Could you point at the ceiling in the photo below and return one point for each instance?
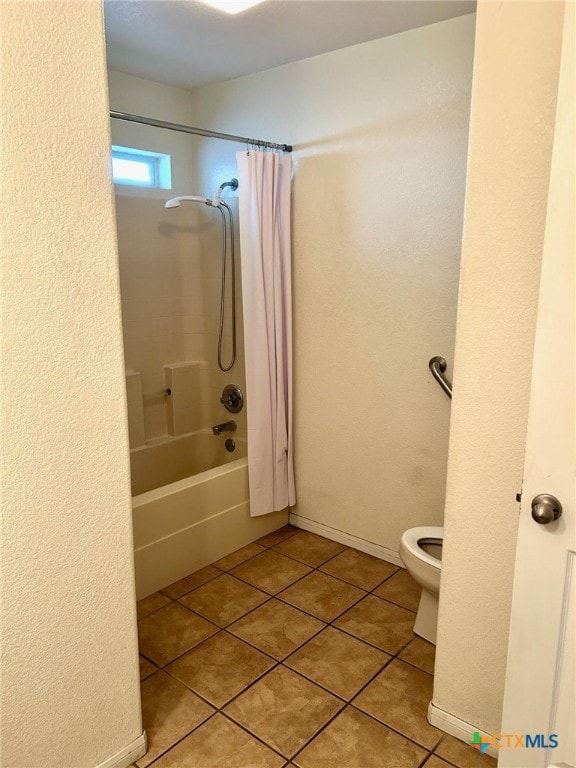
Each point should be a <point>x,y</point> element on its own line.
<point>187,44</point>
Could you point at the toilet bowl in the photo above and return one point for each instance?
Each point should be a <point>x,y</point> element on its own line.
<point>421,553</point>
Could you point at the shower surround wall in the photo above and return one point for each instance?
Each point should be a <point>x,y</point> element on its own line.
<point>170,263</point>
<point>381,133</point>
<point>190,496</point>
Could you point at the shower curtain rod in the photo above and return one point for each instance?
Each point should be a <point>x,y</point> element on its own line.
<point>197,131</point>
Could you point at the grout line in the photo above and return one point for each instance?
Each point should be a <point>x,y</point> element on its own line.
<point>391,728</point>
<point>216,707</point>
<point>304,562</point>
<point>449,762</point>
<point>242,562</point>
<point>148,659</point>
<point>282,663</point>
<point>197,611</point>
<point>332,693</point>
<point>393,603</point>
<point>274,594</point>
<point>296,648</point>
<point>353,584</point>
<point>254,736</point>
<point>279,661</point>
<point>148,765</point>
<point>318,732</point>
<point>193,588</point>
<point>156,609</point>
<point>277,597</point>
<point>379,722</point>
<point>327,621</point>
<point>344,701</point>
<point>289,536</point>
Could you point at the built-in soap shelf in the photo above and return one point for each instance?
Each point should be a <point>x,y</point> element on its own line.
<point>186,397</point>
<point>188,403</point>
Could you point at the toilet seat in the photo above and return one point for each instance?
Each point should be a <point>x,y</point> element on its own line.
<point>412,536</point>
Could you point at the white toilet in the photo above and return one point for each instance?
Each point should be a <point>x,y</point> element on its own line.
<point>421,553</point>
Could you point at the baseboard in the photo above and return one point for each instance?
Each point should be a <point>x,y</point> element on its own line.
<point>456,727</point>
<point>128,755</point>
<point>377,550</point>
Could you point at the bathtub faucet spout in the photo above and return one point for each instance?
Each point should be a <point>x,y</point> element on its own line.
<point>227,426</point>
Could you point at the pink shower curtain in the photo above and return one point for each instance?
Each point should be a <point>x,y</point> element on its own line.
<point>264,197</point>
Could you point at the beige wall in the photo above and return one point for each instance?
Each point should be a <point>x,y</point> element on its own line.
<point>170,266</point>
<point>70,689</point>
<point>381,132</point>
<point>512,122</point>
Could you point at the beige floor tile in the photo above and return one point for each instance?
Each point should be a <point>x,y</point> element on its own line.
<point>338,662</point>
<point>402,590</point>
<point>223,600</point>
<point>421,654</point>
<point>271,539</point>
<point>169,712</point>
<point>353,740</point>
<point>220,744</point>
<point>399,697</point>
<point>360,569</point>
<point>146,668</point>
<point>190,582</point>
<point>435,762</point>
<point>239,556</point>
<point>276,628</point>
<point>309,548</point>
<point>220,668</point>
<point>463,755</point>
<point>284,710</point>
<point>322,595</point>
<point>271,571</point>
<point>170,632</point>
<point>383,624</point>
<point>150,604</point>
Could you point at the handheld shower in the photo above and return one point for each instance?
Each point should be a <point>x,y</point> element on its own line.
<point>175,202</point>
<point>233,184</point>
<point>227,246</point>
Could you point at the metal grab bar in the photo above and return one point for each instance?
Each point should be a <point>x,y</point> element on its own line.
<point>438,365</point>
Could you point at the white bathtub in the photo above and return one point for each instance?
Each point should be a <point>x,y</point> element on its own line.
<point>197,511</point>
<point>166,461</point>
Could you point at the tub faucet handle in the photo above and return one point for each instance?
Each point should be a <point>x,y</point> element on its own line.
<point>227,426</point>
<point>232,398</point>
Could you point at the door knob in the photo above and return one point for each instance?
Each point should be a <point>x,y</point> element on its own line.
<point>545,508</point>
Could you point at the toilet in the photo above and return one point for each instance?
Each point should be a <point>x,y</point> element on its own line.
<point>421,553</point>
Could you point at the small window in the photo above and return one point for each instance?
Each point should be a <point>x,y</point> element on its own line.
<point>141,168</point>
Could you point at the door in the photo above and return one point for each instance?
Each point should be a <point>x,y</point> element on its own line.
<point>540,680</point>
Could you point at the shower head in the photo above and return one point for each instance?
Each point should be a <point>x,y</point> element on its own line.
<point>233,183</point>
<point>175,202</point>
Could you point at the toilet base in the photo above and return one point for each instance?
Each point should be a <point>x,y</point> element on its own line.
<point>427,617</point>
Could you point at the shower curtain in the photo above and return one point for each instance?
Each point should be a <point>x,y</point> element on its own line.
<point>264,198</point>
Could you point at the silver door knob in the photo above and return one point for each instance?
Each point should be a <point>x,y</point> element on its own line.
<point>545,508</point>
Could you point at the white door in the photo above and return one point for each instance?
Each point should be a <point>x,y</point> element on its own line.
<point>540,680</point>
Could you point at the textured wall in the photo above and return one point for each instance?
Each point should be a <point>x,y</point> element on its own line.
<point>513,103</point>
<point>70,690</point>
<point>381,133</point>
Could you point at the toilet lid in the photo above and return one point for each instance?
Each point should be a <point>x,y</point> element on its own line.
<point>412,536</point>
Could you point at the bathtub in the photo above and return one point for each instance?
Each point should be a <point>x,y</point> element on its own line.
<point>190,507</point>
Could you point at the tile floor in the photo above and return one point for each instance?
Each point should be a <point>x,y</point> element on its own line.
<point>294,651</point>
